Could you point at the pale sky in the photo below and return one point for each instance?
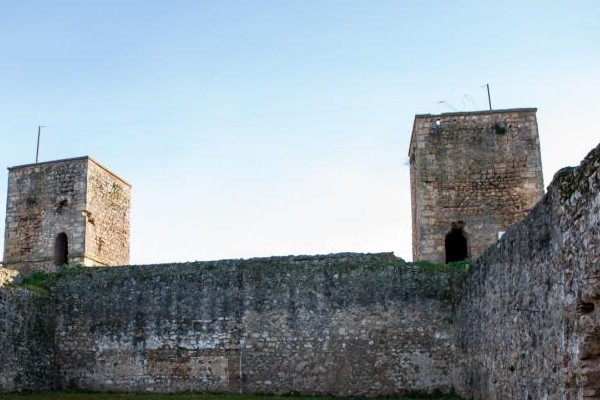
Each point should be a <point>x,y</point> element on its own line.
<point>273,127</point>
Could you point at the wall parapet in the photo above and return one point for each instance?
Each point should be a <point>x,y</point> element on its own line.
<point>530,316</point>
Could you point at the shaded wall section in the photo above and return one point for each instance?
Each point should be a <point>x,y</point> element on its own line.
<point>530,318</point>
<point>346,324</point>
<point>26,340</point>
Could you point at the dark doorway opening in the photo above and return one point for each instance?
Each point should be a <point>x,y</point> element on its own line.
<point>456,243</point>
<point>61,249</point>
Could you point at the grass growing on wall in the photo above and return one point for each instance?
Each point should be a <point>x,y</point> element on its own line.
<point>37,281</point>
<point>431,279</point>
<point>41,281</point>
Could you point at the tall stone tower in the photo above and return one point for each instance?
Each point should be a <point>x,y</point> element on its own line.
<point>472,175</point>
<point>64,212</point>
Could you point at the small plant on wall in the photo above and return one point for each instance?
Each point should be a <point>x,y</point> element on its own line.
<point>500,128</point>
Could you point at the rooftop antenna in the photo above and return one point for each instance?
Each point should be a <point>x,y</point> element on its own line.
<point>487,85</point>
<point>37,149</point>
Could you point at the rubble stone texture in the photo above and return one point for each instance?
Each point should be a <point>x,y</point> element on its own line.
<point>523,322</point>
<point>26,341</point>
<point>78,198</point>
<point>347,324</point>
<point>529,320</point>
<point>481,168</point>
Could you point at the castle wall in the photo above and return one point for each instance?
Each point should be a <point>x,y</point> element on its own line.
<point>26,340</point>
<point>344,324</point>
<point>522,322</point>
<point>483,168</point>
<point>530,317</point>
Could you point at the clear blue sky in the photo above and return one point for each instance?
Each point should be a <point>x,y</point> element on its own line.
<point>274,127</point>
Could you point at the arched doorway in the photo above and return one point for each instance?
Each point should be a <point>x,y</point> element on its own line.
<point>456,243</point>
<point>61,249</point>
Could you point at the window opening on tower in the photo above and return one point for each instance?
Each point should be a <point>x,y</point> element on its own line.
<point>61,249</point>
<point>456,243</point>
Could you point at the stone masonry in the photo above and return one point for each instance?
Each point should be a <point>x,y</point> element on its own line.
<point>523,322</point>
<point>529,316</point>
<point>26,340</point>
<point>475,171</point>
<point>345,324</point>
<point>67,211</point>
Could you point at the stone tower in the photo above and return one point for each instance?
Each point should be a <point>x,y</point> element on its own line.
<point>64,212</point>
<point>472,175</point>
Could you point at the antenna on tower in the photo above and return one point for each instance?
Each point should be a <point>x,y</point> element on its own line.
<point>37,149</point>
<point>487,85</point>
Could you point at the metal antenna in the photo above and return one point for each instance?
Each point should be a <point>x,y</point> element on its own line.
<point>487,85</point>
<point>37,150</point>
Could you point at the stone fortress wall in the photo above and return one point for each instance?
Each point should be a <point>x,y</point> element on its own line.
<point>26,340</point>
<point>522,322</point>
<point>347,324</point>
<point>529,319</point>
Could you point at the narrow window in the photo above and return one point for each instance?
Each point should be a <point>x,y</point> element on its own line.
<point>456,243</point>
<point>61,249</point>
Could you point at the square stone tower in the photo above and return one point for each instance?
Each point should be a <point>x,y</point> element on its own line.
<point>65,212</point>
<point>472,175</point>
